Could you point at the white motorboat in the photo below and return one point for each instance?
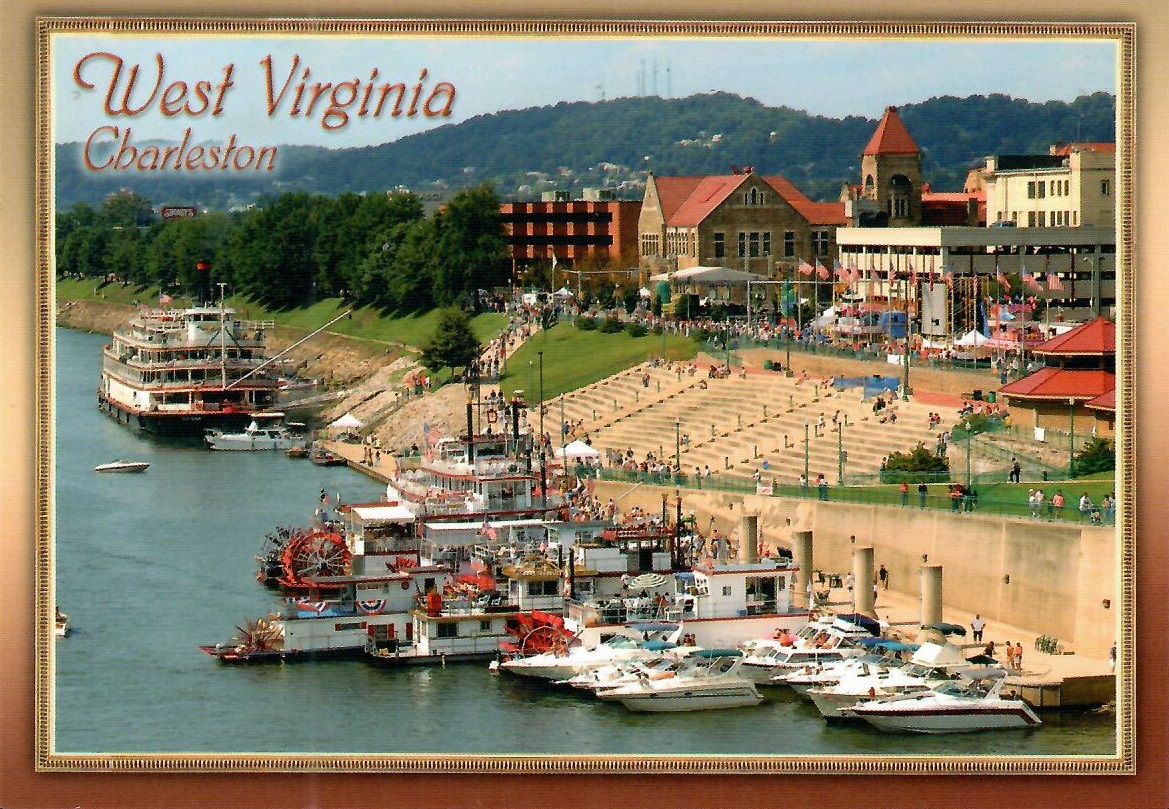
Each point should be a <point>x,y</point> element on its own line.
<point>60,624</point>
<point>264,432</point>
<point>122,466</point>
<point>569,660</point>
<point>971,703</point>
<point>822,641</point>
<point>823,675</point>
<point>613,675</point>
<point>931,665</point>
<point>710,680</point>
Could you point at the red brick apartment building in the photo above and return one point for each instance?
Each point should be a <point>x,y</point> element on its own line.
<point>570,230</point>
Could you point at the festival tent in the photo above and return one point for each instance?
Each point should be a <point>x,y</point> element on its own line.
<point>347,422</point>
<point>576,450</point>
<point>972,338</point>
<point>707,275</point>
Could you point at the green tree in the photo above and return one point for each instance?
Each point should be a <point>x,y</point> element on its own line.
<point>471,248</point>
<point>1098,455</point>
<point>454,344</point>
<point>900,466</point>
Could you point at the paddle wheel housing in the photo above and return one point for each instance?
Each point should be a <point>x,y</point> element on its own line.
<point>312,555</point>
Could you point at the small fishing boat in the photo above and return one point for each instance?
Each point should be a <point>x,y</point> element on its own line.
<point>122,466</point>
<point>60,624</point>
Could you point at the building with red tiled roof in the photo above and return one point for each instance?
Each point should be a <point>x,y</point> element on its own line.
<point>1076,385</point>
<point>743,220</point>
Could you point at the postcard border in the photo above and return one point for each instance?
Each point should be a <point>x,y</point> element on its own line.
<point>46,760</point>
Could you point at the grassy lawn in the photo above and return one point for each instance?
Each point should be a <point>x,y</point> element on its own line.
<point>575,358</point>
<point>366,324</point>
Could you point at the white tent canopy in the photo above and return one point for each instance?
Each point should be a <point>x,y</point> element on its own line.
<point>708,275</point>
<point>972,338</point>
<point>577,449</point>
<point>347,422</point>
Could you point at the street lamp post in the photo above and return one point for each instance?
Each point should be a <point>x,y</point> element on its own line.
<point>969,434</point>
<point>543,459</point>
<point>905,353</point>
<point>840,452</point>
<point>1071,438</point>
<point>678,444</point>
<point>807,445</point>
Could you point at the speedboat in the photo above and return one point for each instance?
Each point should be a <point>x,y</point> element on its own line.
<point>971,703</point>
<point>823,675</point>
<point>931,665</point>
<point>711,679</point>
<point>613,675</point>
<point>819,642</point>
<point>122,466</point>
<point>60,624</point>
<point>567,660</point>
<point>264,432</point>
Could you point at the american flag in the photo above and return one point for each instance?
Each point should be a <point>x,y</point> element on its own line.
<point>163,299</point>
<point>1002,279</point>
<point>841,273</point>
<point>821,271</point>
<point>1053,281</point>
<point>487,530</point>
<point>950,279</point>
<point>804,267</point>
<point>1030,282</point>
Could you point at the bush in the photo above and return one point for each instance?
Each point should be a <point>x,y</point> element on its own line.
<point>585,323</point>
<point>636,330</point>
<point>611,325</point>
<point>1098,455</point>
<point>902,466</point>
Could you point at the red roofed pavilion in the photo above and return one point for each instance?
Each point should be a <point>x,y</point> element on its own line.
<point>1078,380</point>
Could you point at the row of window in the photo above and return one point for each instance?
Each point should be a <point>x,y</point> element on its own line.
<point>756,243</point>
<point>1042,219</point>
<point>1039,189</point>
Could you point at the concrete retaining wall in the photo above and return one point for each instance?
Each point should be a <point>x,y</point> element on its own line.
<point>1048,578</point>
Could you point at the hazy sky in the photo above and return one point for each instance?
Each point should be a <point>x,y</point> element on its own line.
<point>832,78</point>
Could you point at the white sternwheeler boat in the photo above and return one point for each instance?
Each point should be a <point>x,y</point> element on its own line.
<point>709,680</point>
<point>120,465</point>
<point>266,431</point>
<point>179,371</point>
<point>973,702</point>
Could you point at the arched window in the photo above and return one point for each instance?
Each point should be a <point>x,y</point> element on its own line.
<point>899,190</point>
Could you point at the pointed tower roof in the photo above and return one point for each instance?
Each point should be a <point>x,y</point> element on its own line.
<point>891,136</point>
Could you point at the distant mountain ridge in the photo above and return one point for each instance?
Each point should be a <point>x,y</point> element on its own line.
<point>613,144</point>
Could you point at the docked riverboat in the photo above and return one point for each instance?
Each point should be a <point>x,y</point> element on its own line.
<point>723,602</point>
<point>180,371</point>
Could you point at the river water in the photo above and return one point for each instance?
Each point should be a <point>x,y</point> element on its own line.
<point>150,566</point>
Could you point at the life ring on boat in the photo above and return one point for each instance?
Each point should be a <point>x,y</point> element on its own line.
<point>406,585</point>
<point>492,415</point>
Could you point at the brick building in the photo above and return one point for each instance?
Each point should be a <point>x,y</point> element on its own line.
<point>570,230</point>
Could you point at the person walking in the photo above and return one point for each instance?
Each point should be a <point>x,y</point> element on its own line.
<point>976,627</point>
<point>904,489</point>
<point>1016,470</point>
<point>883,577</point>
<point>1010,650</point>
<point>1018,656</point>
<point>822,485</point>
<point>922,491</point>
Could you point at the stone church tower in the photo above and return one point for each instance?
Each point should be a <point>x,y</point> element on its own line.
<point>891,172</point>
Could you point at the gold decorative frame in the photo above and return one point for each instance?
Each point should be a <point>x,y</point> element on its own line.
<point>1124,763</point>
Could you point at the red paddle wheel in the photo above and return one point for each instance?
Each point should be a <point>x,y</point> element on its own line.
<point>312,555</point>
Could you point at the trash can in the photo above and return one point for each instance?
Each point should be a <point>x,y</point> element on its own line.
<point>976,395</point>
<point>990,397</point>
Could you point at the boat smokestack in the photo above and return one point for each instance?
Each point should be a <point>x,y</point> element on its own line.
<point>203,280</point>
<point>749,539</point>
<point>470,431</point>
<point>802,557</point>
